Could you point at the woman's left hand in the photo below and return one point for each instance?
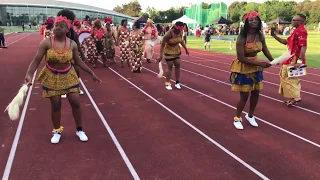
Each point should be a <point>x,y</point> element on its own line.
<point>96,79</point>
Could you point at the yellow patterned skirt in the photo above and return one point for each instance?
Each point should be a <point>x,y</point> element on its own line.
<point>290,87</point>
<point>58,82</point>
<point>245,77</point>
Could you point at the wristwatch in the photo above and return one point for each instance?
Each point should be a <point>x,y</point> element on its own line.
<point>299,61</point>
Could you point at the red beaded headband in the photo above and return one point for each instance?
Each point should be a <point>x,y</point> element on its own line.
<point>181,28</point>
<point>252,14</point>
<point>63,19</point>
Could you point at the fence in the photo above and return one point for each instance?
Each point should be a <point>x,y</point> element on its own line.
<point>206,16</point>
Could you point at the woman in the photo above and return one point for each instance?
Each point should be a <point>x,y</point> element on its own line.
<point>123,42</point>
<point>73,36</point>
<point>48,30</point>
<point>94,44</point>
<point>150,38</point>
<point>136,48</point>
<point>246,70</point>
<point>109,41</point>
<point>77,26</point>
<point>59,77</point>
<point>185,33</point>
<point>171,52</point>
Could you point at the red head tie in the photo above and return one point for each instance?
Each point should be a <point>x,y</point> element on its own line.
<point>252,14</point>
<point>50,21</point>
<point>63,19</point>
<point>76,23</point>
<point>108,20</point>
<point>181,28</point>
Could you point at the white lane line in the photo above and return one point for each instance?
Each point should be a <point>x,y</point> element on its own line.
<point>18,133</point>
<point>195,129</point>
<point>222,82</point>
<point>262,120</point>
<point>310,93</point>
<point>113,137</point>
<point>267,72</point>
<point>222,57</point>
<point>17,40</point>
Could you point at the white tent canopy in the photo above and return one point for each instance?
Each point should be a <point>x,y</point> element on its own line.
<point>185,19</point>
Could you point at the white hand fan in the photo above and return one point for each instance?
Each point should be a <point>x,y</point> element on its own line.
<point>283,57</point>
<point>160,70</point>
<point>14,107</point>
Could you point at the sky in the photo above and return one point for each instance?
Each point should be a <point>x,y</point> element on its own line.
<point>158,4</point>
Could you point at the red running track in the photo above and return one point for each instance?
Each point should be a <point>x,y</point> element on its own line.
<point>138,130</point>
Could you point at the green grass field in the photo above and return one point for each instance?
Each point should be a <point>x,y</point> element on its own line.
<point>275,48</point>
<point>13,29</point>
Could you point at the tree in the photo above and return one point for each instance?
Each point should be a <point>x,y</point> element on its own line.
<point>133,8</point>
<point>205,5</point>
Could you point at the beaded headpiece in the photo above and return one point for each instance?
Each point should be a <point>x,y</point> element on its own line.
<point>63,19</point>
<point>251,14</point>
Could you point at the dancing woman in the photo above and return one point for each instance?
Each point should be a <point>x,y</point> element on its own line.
<point>48,30</point>
<point>109,41</point>
<point>59,77</point>
<point>123,42</point>
<point>77,26</point>
<point>136,48</point>
<point>171,52</point>
<point>95,45</point>
<point>150,36</point>
<point>246,70</point>
<point>73,36</point>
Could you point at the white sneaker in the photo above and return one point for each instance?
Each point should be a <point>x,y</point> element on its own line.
<point>178,86</point>
<point>237,122</point>
<point>81,92</point>
<point>55,138</point>
<point>252,121</point>
<point>64,96</point>
<point>82,136</point>
<point>168,87</point>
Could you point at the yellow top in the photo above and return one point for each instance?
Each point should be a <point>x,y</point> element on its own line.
<point>239,67</point>
<point>172,49</point>
<point>55,57</point>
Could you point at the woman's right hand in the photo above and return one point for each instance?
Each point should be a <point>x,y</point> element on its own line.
<point>28,80</point>
<point>160,59</point>
<point>264,64</point>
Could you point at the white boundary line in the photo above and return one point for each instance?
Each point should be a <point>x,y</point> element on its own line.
<point>264,121</point>
<point>268,97</point>
<point>14,146</point>
<point>17,40</point>
<point>198,64</point>
<point>222,82</point>
<point>194,128</point>
<point>265,71</point>
<point>216,54</point>
<point>113,137</point>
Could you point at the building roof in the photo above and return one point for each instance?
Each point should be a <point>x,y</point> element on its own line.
<point>61,4</point>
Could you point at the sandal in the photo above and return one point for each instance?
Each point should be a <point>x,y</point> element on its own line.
<point>293,102</point>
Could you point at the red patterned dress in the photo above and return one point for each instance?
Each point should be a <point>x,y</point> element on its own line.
<point>95,46</point>
<point>136,45</point>
<point>125,50</point>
